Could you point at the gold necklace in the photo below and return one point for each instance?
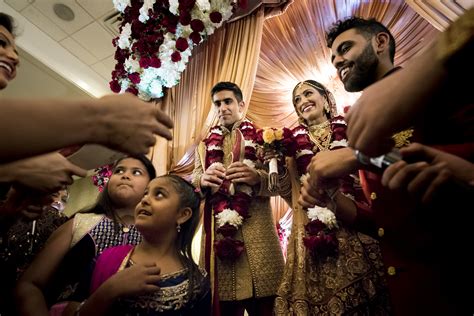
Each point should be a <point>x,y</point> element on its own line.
<point>320,135</point>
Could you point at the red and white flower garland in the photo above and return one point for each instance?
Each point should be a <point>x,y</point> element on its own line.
<point>321,230</point>
<point>156,39</point>
<point>230,206</point>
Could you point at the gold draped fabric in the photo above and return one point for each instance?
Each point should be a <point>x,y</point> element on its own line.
<point>351,283</point>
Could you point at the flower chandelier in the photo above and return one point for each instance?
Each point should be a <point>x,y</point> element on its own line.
<point>156,39</point>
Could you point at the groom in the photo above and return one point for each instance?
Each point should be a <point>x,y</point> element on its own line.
<point>240,245</point>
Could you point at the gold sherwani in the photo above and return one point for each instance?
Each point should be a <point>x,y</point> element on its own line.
<point>257,272</point>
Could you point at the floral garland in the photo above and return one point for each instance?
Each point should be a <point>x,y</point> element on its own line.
<point>156,39</point>
<point>102,176</point>
<point>230,206</point>
<point>321,229</point>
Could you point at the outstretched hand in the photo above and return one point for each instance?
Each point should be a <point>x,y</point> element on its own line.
<point>131,124</point>
<point>46,173</point>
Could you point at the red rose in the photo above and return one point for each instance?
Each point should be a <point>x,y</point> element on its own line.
<point>195,37</point>
<point>303,162</point>
<point>215,17</point>
<point>145,62</point>
<point>215,154</point>
<point>228,248</point>
<point>184,18</point>
<point>259,137</point>
<point>181,44</point>
<point>186,4</point>
<point>176,56</point>
<point>241,203</point>
<point>197,25</point>
<point>314,227</point>
<point>227,230</point>
<point>322,245</point>
<point>219,202</point>
<point>224,188</point>
<point>243,4</point>
<point>114,86</point>
<point>132,90</point>
<point>155,62</point>
<point>134,77</point>
<point>250,152</point>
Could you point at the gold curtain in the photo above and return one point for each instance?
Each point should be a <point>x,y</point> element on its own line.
<point>294,49</point>
<point>230,54</point>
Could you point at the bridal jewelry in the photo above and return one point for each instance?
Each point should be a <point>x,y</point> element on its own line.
<point>321,135</point>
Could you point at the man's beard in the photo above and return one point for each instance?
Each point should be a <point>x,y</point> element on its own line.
<point>363,71</point>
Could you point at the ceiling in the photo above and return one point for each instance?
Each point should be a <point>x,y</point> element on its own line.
<point>79,49</point>
<point>40,81</point>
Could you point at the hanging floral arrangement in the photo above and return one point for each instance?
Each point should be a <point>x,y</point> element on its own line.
<point>156,40</point>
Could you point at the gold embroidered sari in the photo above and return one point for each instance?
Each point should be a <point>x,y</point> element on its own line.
<point>349,283</point>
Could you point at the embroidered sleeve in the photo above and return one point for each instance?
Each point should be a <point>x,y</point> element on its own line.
<point>198,171</point>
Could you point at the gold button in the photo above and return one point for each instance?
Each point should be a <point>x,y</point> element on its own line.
<point>381,232</point>
<point>373,196</point>
<point>391,271</point>
<point>125,229</point>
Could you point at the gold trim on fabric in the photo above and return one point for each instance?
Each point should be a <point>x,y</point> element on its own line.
<point>402,138</point>
<point>83,224</point>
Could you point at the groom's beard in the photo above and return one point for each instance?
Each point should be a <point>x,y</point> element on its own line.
<point>363,72</point>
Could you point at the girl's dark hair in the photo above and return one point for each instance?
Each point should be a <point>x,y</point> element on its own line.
<point>7,22</point>
<point>104,204</point>
<point>189,198</point>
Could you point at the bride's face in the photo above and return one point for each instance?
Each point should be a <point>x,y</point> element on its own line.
<point>309,103</point>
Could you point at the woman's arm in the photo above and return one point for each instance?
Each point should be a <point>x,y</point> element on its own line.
<point>29,290</point>
<point>122,122</point>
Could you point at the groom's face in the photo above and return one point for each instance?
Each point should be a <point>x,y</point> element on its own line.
<point>229,109</point>
<point>355,60</point>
